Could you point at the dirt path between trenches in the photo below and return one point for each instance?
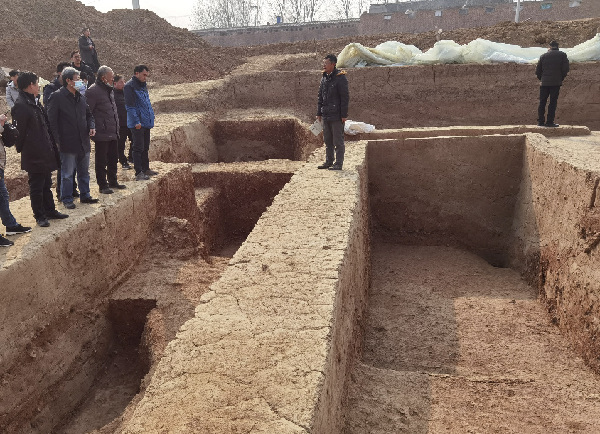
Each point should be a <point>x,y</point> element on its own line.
<point>455,345</point>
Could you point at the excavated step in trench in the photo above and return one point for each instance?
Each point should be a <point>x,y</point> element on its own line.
<point>125,331</point>
<point>453,344</point>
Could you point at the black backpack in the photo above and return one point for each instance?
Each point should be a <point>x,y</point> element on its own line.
<point>10,135</point>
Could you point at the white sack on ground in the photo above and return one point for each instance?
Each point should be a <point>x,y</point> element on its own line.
<point>394,53</point>
<point>353,128</point>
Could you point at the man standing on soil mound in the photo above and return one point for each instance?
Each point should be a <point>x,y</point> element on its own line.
<point>332,110</point>
<point>552,68</point>
<point>140,119</point>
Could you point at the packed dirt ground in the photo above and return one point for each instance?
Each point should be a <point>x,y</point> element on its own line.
<point>451,343</point>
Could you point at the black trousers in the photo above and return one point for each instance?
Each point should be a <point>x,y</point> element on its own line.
<point>141,145</point>
<point>107,156</point>
<point>124,133</point>
<point>545,92</point>
<point>40,194</point>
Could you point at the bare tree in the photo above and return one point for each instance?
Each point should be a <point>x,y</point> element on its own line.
<point>347,9</point>
<point>296,11</point>
<point>226,13</point>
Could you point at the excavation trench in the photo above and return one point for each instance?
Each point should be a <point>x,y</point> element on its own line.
<point>81,350</point>
<point>401,294</point>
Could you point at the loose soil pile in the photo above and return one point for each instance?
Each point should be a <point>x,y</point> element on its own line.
<point>40,34</point>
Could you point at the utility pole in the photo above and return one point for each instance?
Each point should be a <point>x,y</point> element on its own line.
<point>136,4</point>
<point>518,11</point>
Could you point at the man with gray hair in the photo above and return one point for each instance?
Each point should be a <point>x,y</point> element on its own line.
<point>101,101</point>
<point>72,125</point>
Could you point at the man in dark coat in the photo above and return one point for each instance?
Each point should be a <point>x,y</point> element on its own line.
<point>72,125</point>
<point>552,68</point>
<point>36,148</point>
<point>332,111</point>
<point>101,101</point>
<point>124,132</point>
<point>49,89</point>
<point>140,120</point>
<point>81,66</point>
<point>87,48</point>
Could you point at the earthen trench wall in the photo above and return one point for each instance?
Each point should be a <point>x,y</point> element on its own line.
<point>510,199</point>
<point>427,96</point>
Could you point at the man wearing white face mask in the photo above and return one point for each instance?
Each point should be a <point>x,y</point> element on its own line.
<point>72,125</point>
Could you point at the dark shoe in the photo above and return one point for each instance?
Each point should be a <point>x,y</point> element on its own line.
<point>88,200</point>
<point>5,243</point>
<point>43,223</point>
<point>118,186</point>
<point>125,166</point>
<point>150,172</point>
<point>104,190</point>
<point>142,177</point>
<point>325,165</point>
<point>75,193</point>
<point>18,229</point>
<point>552,125</point>
<point>335,167</point>
<point>57,215</point>
<point>541,124</point>
<point>69,205</point>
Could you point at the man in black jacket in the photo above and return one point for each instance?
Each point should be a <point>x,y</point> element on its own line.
<point>87,49</point>
<point>101,101</point>
<point>72,125</point>
<point>124,132</point>
<point>552,68</point>
<point>36,148</point>
<point>49,89</point>
<point>81,66</point>
<point>332,110</point>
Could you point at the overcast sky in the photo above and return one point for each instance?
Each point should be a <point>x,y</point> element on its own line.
<point>177,12</point>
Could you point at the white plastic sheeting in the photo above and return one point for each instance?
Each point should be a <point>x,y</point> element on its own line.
<point>394,53</point>
<point>353,127</point>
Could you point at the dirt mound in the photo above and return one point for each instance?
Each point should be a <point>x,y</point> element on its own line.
<point>43,33</point>
<point>568,33</point>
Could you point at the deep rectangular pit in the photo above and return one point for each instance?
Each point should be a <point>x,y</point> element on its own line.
<point>101,346</point>
<point>284,316</point>
<point>288,306</point>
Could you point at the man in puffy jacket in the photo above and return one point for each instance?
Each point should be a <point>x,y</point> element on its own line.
<point>332,111</point>
<point>12,89</point>
<point>552,69</point>
<point>36,148</point>
<point>140,119</point>
<point>72,125</point>
<point>101,101</point>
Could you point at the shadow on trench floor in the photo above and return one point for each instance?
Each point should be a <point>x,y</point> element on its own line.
<point>453,344</point>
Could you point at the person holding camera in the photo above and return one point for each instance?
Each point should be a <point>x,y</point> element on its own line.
<point>8,220</point>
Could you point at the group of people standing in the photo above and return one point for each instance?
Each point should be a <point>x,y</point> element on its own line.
<point>57,134</point>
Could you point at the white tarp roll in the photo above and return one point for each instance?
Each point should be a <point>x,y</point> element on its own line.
<point>393,53</point>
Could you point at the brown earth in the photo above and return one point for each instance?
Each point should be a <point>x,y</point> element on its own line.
<point>42,34</point>
<point>453,344</point>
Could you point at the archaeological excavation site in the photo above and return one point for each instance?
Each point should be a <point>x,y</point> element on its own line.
<point>447,280</point>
